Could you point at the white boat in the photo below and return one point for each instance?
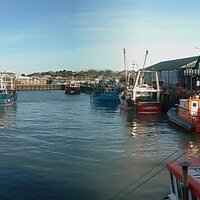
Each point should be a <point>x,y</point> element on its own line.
<point>8,93</point>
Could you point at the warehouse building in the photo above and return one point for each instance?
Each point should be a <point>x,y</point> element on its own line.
<point>186,71</point>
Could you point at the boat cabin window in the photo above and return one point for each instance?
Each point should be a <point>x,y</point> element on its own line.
<point>194,104</point>
<point>194,107</point>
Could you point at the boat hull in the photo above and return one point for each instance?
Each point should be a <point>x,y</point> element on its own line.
<point>173,117</point>
<point>69,90</point>
<point>105,97</point>
<point>143,108</point>
<point>148,108</point>
<point>7,99</point>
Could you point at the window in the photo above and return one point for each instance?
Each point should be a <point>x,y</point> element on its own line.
<point>194,104</point>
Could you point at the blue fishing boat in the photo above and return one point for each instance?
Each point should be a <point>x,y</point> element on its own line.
<point>107,94</point>
<point>8,93</point>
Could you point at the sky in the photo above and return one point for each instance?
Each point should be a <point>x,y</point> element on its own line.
<point>51,35</point>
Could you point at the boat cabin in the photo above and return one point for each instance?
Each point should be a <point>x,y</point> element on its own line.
<point>110,88</point>
<point>146,87</point>
<point>189,109</point>
<point>73,85</point>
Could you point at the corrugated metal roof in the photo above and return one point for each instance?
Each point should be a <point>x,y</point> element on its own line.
<point>172,64</point>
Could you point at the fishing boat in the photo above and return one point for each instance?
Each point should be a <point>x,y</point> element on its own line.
<point>186,114</point>
<point>146,92</point>
<point>145,95</point>
<point>184,179</point>
<point>72,88</point>
<point>8,93</point>
<point>109,94</point>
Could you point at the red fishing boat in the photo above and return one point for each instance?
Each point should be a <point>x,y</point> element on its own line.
<point>186,114</point>
<point>146,92</point>
<point>184,179</point>
<point>145,95</point>
<point>72,88</point>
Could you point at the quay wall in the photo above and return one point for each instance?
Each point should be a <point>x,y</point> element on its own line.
<point>39,87</point>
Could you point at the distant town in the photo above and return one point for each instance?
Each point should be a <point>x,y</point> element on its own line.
<point>184,71</point>
<point>63,77</point>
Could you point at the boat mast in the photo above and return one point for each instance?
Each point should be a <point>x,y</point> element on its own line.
<point>125,66</point>
<point>145,59</point>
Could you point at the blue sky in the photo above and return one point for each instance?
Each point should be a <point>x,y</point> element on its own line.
<point>43,35</point>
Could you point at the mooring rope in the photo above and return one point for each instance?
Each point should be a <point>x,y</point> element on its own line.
<point>146,173</point>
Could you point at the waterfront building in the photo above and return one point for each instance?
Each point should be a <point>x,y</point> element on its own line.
<point>185,71</point>
<point>27,81</point>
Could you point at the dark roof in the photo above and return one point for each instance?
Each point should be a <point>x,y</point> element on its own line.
<point>172,64</point>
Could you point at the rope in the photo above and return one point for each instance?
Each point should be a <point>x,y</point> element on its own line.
<point>146,173</point>
<point>148,179</point>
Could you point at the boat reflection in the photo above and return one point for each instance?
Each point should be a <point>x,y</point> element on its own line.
<point>141,124</point>
<point>103,105</point>
<point>193,147</point>
<point>6,115</point>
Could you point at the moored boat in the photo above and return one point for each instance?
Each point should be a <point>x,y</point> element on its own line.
<point>186,114</point>
<point>146,92</point>
<point>145,95</point>
<point>72,88</point>
<point>8,93</point>
<point>109,93</point>
<point>184,179</point>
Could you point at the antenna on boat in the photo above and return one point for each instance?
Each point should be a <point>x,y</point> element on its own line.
<point>125,66</point>
<point>145,59</point>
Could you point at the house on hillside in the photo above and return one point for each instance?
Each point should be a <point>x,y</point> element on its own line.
<point>186,71</point>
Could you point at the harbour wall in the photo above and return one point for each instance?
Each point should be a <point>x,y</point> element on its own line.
<point>39,87</point>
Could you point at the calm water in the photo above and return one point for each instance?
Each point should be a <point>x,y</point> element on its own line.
<point>57,146</point>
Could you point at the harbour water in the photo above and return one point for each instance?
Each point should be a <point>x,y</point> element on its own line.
<point>58,146</point>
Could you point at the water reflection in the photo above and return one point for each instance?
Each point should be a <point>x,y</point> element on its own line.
<point>103,105</point>
<point>140,124</point>
<point>6,115</point>
<point>193,146</point>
